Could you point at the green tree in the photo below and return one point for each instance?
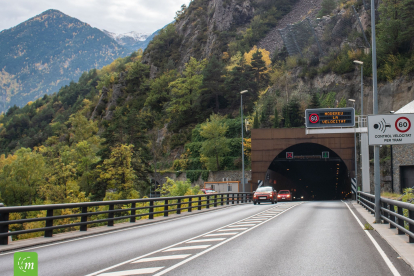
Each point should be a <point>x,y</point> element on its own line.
<point>276,119</point>
<point>160,91</point>
<point>314,102</point>
<point>215,145</point>
<point>295,113</point>
<point>390,28</point>
<point>327,7</point>
<point>213,82</point>
<point>256,123</point>
<point>259,68</point>
<point>286,115</point>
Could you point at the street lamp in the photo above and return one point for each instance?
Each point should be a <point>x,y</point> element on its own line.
<point>355,147</point>
<point>362,84</point>
<point>241,109</point>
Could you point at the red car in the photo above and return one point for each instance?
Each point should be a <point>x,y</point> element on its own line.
<point>265,194</point>
<point>284,195</point>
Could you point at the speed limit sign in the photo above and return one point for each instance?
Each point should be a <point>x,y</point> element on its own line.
<point>390,129</point>
<point>403,124</point>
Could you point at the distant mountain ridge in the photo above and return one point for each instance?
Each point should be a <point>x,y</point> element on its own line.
<point>132,40</point>
<point>50,50</point>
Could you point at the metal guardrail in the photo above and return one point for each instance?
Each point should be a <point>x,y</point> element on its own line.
<point>392,212</point>
<point>147,205</point>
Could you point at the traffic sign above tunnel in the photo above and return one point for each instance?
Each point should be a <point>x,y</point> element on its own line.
<point>330,117</point>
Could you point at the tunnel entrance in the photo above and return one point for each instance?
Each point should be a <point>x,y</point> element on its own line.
<point>304,171</point>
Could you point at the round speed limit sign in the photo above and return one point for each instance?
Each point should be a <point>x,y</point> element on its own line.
<point>403,124</point>
<point>314,118</point>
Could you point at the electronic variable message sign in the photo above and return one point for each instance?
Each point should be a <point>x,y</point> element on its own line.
<point>330,117</point>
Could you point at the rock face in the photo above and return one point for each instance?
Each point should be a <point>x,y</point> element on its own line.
<point>203,32</point>
<point>302,9</point>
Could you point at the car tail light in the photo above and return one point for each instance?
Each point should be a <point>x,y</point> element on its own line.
<point>278,195</point>
<point>288,195</point>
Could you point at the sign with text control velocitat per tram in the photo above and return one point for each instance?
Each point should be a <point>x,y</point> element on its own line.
<point>330,117</point>
<point>395,129</point>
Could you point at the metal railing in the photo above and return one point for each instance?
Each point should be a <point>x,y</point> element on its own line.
<point>398,214</point>
<point>146,207</point>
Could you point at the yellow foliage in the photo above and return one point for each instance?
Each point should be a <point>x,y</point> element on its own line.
<point>6,161</point>
<point>248,147</point>
<point>265,56</point>
<point>355,54</point>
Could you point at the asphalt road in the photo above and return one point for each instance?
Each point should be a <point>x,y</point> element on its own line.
<point>310,238</point>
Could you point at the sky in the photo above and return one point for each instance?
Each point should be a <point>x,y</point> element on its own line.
<point>118,16</point>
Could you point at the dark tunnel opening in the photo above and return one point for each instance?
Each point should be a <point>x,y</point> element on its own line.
<point>304,171</point>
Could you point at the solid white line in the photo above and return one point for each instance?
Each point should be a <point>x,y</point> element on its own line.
<point>233,229</point>
<point>206,240</point>
<point>217,245</point>
<point>187,248</point>
<point>222,234</point>
<point>377,246</point>
<point>112,232</point>
<point>133,272</point>
<point>162,258</point>
<point>171,246</point>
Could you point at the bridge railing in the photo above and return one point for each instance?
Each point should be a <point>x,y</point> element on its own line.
<point>398,214</point>
<point>115,210</point>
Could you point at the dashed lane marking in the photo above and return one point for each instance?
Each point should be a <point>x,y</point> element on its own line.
<point>187,248</point>
<point>162,258</point>
<point>222,234</point>
<point>133,271</point>
<point>206,240</point>
<point>233,229</point>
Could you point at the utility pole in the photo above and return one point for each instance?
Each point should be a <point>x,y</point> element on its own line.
<point>377,180</point>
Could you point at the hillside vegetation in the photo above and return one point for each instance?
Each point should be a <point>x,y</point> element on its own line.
<point>106,135</point>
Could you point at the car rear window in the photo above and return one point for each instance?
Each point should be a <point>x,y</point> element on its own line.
<point>284,192</point>
<point>265,189</point>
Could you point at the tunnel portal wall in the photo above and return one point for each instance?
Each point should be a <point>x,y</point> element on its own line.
<point>268,143</point>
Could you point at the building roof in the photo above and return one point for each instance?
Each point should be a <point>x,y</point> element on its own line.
<point>408,108</point>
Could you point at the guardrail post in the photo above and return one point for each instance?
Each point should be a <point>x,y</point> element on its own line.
<point>400,221</point>
<point>179,206</point>
<point>166,208</point>
<point>232,199</point>
<point>4,228</point>
<point>111,215</point>
<point>49,223</point>
<point>410,226</point>
<point>84,218</point>
<point>385,214</point>
<point>133,212</point>
<point>392,217</point>
<point>222,199</point>
<point>215,200</point>
<point>372,205</point>
<point>190,201</point>
<point>208,202</point>
<point>151,210</point>
<point>199,202</point>
<point>238,198</point>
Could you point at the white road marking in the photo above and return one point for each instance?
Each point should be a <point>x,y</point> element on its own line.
<point>233,229</point>
<point>187,248</point>
<point>221,234</point>
<point>217,245</point>
<point>240,225</point>
<point>162,258</point>
<point>171,246</point>
<point>206,240</point>
<point>133,272</point>
<point>382,253</point>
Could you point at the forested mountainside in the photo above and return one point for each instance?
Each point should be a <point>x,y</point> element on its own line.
<point>48,51</point>
<point>176,107</point>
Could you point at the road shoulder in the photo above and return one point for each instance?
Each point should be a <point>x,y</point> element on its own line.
<point>398,242</point>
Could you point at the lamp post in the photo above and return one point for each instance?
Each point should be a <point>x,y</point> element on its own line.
<point>355,148</point>
<point>362,84</point>
<point>241,112</point>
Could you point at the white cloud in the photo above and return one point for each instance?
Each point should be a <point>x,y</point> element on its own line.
<point>119,16</point>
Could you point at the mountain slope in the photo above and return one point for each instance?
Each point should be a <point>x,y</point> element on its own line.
<point>44,53</point>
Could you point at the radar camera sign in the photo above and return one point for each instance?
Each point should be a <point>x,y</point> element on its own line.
<point>393,129</point>
<point>330,117</point>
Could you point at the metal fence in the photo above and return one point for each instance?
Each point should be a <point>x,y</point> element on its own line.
<point>398,214</point>
<point>311,38</point>
<point>116,210</point>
